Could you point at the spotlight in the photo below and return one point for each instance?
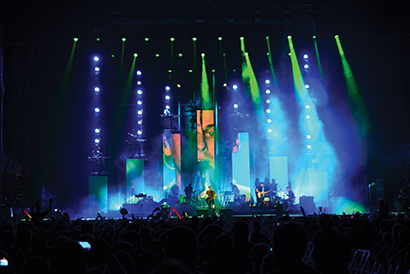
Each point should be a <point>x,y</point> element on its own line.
<point>139,112</point>
<point>267,91</point>
<point>139,132</point>
<point>269,130</point>
<point>225,84</point>
<point>96,59</point>
<point>157,55</point>
<point>289,37</point>
<point>190,71</point>
<point>75,39</point>
<point>309,146</point>
<point>269,121</point>
<point>179,85</point>
<point>167,97</point>
<point>167,107</point>
<point>307,86</point>
<point>97,141</point>
<point>220,38</point>
<point>97,130</point>
<point>307,107</point>
<point>139,72</point>
<point>267,82</point>
<point>268,110</point>
<point>180,55</point>
<point>139,83</point>
<point>194,39</point>
<point>96,69</point>
<point>268,101</point>
<point>306,66</point>
<point>235,105</point>
<point>172,39</point>
<point>146,39</point>
<point>305,56</point>
<point>135,54</point>
<point>97,89</point>
<point>242,38</point>
<point>97,110</point>
<point>203,54</point>
<point>308,137</point>
<point>167,88</point>
<point>235,87</point>
<point>307,116</point>
<point>139,92</point>
<point>170,71</point>
<point>139,122</point>
<point>139,102</point>
<point>123,39</point>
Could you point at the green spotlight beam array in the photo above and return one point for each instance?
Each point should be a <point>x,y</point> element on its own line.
<point>318,57</point>
<point>248,77</point>
<point>356,101</point>
<point>205,84</point>
<point>275,81</point>
<point>297,74</point>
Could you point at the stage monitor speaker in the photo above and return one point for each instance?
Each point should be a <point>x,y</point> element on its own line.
<point>308,204</point>
<point>202,212</point>
<point>227,212</point>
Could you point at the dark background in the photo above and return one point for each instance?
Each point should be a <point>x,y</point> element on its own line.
<point>49,137</point>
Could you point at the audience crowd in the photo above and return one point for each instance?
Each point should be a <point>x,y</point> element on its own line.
<point>160,244</point>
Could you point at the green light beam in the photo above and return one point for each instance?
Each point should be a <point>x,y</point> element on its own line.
<point>356,101</point>
<point>318,57</point>
<point>248,76</point>
<point>205,85</point>
<point>275,81</point>
<point>297,74</point>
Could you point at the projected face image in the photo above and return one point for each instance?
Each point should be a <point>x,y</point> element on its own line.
<point>206,136</point>
<point>172,159</point>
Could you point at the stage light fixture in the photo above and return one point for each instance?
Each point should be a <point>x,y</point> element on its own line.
<point>269,130</point>
<point>139,92</point>
<point>172,39</point>
<point>268,110</point>
<point>112,55</point>
<point>167,107</point>
<point>170,71</point>
<point>269,121</point>
<point>220,38</point>
<point>97,131</point>
<point>139,83</point>
<point>97,89</point>
<point>242,38</point>
<point>98,39</point>
<point>157,55</point>
<point>139,112</point>
<point>213,70</point>
<point>203,54</point>
<point>190,71</point>
<point>96,69</point>
<point>314,36</point>
<point>307,116</point>
<point>308,136</point>
<point>135,54</point>
<point>180,55</point>
<point>235,87</point>
<point>235,105</point>
<point>309,146</point>
<point>305,56</point>
<point>75,39</point>
<point>139,102</point>
<point>139,72</point>
<point>307,86</point>
<point>225,85</point>
<point>267,82</point>
<point>139,132</point>
<point>123,39</point>
<point>146,39</point>
<point>96,110</point>
<point>306,66</point>
<point>268,101</point>
<point>139,122</point>
<point>307,107</point>
<point>167,88</point>
<point>194,39</point>
<point>167,97</point>
<point>178,85</point>
<point>96,58</point>
<point>97,141</point>
<point>267,91</point>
